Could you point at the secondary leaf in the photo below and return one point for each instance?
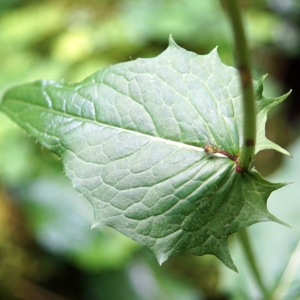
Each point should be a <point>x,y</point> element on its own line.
<point>132,138</point>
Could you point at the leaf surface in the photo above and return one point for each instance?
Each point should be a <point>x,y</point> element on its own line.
<point>132,138</point>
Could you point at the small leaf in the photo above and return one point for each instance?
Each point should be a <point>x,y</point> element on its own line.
<point>263,106</point>
<point>132,139</point>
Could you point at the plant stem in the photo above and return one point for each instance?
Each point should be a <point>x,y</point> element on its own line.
<point>243,65</point>
<point>249,121</point>
<point>244,239</point>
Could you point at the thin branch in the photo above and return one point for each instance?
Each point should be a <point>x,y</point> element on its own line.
<point>249,121</point>
<point>245,242</point>
<point>243,65</point>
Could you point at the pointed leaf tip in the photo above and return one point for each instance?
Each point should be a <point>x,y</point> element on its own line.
<point>278,221</point>
<point>172,42</point>
<point>221,251</point>
<point>161,258</point>
<point>260,87</point>
<point>215,51</point>
<point>228,262</point>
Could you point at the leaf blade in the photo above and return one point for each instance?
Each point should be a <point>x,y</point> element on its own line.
<point>132,138</point>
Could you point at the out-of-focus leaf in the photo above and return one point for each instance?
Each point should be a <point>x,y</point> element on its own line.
<point>60,221</point>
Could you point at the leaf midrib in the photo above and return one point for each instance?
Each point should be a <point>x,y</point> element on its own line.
<point>154,138</point>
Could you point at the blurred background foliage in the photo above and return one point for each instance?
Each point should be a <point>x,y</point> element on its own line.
<point>47,250</point>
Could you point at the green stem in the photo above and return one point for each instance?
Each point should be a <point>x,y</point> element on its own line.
<point>244,239</point>
<point>243,64</point>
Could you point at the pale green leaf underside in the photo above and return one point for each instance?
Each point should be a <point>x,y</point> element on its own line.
<point>131,138</point>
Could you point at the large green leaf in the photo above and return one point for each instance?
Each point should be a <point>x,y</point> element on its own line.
<point>132,139</point>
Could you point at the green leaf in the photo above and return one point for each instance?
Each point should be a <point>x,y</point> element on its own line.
<point>263,106</point>
<point>132,139</point>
